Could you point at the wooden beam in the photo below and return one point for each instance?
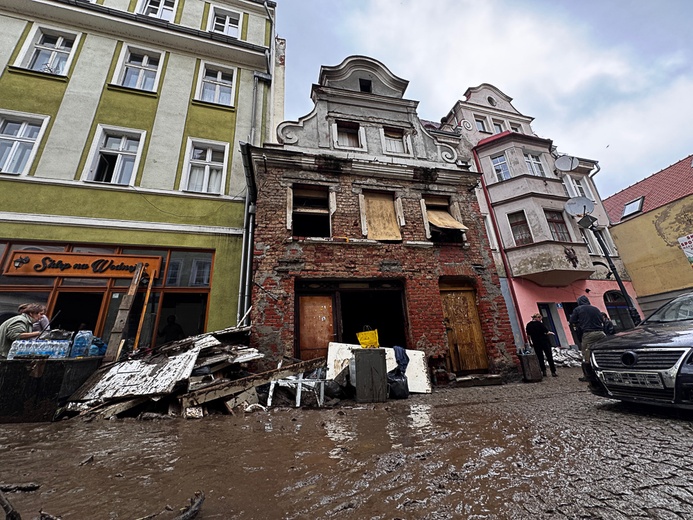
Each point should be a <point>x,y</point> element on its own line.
<point>122,317</point>
<point>229,388</point>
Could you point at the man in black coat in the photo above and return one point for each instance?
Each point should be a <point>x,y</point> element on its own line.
<point>590,325</point>
<point>539,337</point>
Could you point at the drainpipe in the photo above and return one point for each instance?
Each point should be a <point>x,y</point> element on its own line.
<point>499,239</point>
<point>245,284</point>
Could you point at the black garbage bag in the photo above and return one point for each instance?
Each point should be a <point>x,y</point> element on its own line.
<point>397,386</point>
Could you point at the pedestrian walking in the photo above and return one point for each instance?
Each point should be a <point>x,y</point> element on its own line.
<point>539,338</point>
<point>590,326</point>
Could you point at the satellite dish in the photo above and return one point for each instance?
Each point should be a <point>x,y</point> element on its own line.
<point>567,163</point>
<point>579,206</point>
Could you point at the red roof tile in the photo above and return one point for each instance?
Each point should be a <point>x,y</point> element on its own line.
<point>659,189</point>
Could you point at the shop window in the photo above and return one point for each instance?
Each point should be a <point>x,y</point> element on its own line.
<point>205,166</point>
<point>216,84</point>
<point>441,225</point>
<point>162,9</point>
<point>347,134</point>
<point>534,166</point>
<point>557,225</point>
<point>139,69</point>
<point>115,156</point>
<point>394,141</point>
<point>19,135</point>
<point>310,211</point>
<point>49,51</point>
<point>381,216</point>
<point>520,228</point>
<point>224,21</point>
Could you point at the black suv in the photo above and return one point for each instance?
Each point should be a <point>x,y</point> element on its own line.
<point>652,363</point>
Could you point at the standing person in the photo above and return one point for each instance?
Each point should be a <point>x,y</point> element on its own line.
<point>609,328</point>
<point>590,324</point>
<point>539,337</point>
<point>172,331</point>
<point>19,327</point>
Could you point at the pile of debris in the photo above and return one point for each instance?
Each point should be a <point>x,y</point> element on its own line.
<point>190,377</point>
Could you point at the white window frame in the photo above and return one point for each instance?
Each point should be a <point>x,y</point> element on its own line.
<point>144,5</point>
<point>26,54</point>
<point>499,178</point>
<point>25,119</point>
<point>534,164</point>
<point>219,69</point>
<point>196,263</point>
<point>590,242</point>
<point>189,162</point>
<point>578,187</point>
<point>94,153</point>
<point>405,141</point>
<point>632,207</point>
<point>123,63</point>
<point>606,237</point>
<point>480,121</point>
<point>215,11</point>
<point>361,134</point>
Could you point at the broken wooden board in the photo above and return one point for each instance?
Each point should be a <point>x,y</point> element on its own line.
<point>230,388</point>
<point>134,378</point>
<point>248,397</point>
<point>418,377</point>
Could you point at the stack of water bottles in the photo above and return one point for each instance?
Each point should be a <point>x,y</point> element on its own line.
<point>53,349</point>
<point>81,343</point>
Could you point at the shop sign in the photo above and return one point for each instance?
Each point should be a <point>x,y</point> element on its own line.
<point>42,263</point>
<point>687,246</point>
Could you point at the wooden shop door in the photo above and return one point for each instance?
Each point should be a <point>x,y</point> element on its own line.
<point>465,340</point>
<point>316,326</point>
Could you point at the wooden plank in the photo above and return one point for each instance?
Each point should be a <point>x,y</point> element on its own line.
<point>144,311</point>
<point>122,317</point>
<point>228,388</point>
<point>381,217</point>
<point>249,396</point>
<point>316,326</point>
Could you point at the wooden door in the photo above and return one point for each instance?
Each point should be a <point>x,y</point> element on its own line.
<point>465,340</point>
<point>316,326</point>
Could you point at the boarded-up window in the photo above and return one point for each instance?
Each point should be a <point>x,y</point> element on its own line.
<point>394,140</point>
<point>310,215</point>
<point>348,134</point>
<point>380,216</point>
<point>442,225</point>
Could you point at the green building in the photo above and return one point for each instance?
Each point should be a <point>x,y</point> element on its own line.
<point>119,129</point>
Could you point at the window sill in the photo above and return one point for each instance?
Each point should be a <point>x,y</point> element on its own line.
<point>106,184</point>
<point>130,90</point>
<point>349,148</point>
<point>398,154</point>
<point>203,193</point>
<point>37,74</point>
<point>210,104</point>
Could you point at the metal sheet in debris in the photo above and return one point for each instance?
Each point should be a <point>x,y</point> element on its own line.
<point>137,377</point>
<point>418,378</point>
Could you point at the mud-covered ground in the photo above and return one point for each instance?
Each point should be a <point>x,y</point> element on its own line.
<point>542,450</point>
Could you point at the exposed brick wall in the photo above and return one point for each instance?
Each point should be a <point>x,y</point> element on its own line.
<point>279,260</point>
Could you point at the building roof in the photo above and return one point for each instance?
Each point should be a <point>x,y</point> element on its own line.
<point>657,190</point>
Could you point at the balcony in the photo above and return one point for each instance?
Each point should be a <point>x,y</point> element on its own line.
<point>549,263</point>
<point>524,186</point>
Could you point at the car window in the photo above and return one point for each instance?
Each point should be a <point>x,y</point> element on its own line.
<point>679,309</point>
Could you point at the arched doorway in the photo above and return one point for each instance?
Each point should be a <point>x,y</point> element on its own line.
<point>617,309</point>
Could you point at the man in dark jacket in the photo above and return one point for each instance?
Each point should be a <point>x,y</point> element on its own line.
<point>590,324</point>
<point>539,337</point>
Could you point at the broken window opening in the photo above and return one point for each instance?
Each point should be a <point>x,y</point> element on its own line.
<point>310,215</point>
<point>443,226</point>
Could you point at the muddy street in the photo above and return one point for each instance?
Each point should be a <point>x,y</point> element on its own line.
<point>542,450</point>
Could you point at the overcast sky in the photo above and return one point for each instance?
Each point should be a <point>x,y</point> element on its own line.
<point>610,80</point>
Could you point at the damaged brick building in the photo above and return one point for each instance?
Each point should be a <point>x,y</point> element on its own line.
<point>363,218</point>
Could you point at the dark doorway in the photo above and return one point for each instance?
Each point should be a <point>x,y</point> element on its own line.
<point>77,309</point>
<point>381,310</point>
<point>547,320</point>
